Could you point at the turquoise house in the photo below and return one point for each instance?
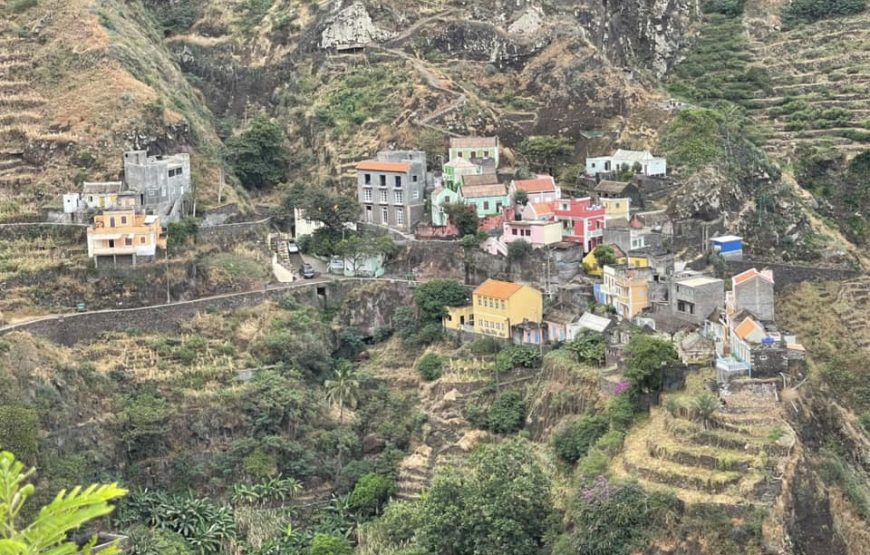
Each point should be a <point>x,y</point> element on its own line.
<point>440,197</point>
<point>455,170</point>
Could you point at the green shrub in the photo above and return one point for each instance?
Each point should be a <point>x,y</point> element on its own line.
<point>484,346</point>
<point>573,441</point>
<point>594,464</point>
<point>18,6</point>
<point>808,11</point>
<point>327,544</point>
<point>430,366</point>
<point>610,443</point>
<point>19,428</point>
<point>257,155</point>
<point>507,413</point>
<point>621,411</point>
<point>370,494</point>
<point>730,8</point>
<point>518,356</point>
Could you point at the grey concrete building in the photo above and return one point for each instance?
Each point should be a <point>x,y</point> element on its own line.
<point>693,298</point>
<point>163,182</point>
<point>391,189</point>
<point>752,290</point>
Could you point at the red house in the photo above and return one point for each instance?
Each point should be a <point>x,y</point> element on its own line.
<point>582,221</point>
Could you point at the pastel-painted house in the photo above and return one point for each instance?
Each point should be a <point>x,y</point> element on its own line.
<point>561,323</point>
<point>637,161</point>
<point>488,199</point>
<point>590,262</point>
<point>729,247</point>
<point>456,169</point>
<point>541,189</point>
<point>615,196</point>
<point>501,309</point>
<point>582,221</point>
<point>626,289</point>
<point>536,225</point>
<point>124,235</point>
<point>441,197</point>
<point>752,290</point>
<point>101,196</point>
<point>482,150</point>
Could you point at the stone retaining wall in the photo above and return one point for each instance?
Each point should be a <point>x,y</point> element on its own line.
<point>786,274</point>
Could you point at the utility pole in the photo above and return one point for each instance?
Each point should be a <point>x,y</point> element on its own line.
<point>166,274</point>
<point>221,184</point>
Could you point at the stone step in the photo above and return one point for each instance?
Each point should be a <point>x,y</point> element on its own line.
<point>16,180</point>
<point>685,477</point>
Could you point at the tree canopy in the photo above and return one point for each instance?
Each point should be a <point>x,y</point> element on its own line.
<point>646,356</point>
<point>433,298</point>
<point>257,155</point>
<point>463,216</point>
<point>545,153</point>
<point>497,503</point>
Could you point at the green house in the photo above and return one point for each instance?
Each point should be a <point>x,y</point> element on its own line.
<point>488,198</point>
<point>457,168</point>
<point>479,150</point>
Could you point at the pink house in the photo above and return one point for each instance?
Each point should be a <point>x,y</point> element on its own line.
<point>541,189</point>
<point>582,221</point>
<point>539,230</point>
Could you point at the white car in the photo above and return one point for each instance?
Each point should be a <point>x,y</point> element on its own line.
<point>292,248</point>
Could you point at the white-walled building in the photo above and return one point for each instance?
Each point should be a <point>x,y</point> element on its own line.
<point>640,161</point>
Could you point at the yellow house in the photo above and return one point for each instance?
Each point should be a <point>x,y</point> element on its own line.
<point>126,234</point>
<point>497,307</point>
<point>616,208</point>
<point>591,267</point>
<point>626,289</point>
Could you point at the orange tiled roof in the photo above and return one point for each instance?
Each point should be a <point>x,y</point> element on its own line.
<point>497,289</point>
<point>746,327</point>
<point>749,274</point>
<point>376,166</point>
<point>538,185</point>
<point>542,208</point>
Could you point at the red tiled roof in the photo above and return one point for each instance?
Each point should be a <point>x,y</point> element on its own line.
<point>542,208</point>
<point>542,184</point>
<point>497,289</point>
<point>749,274</point>
<point>376,166</point>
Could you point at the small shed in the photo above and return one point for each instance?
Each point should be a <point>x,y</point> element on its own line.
<point>729,247</point>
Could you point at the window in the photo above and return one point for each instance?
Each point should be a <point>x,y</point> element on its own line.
<point>367,178</point>
<point>616,205</point>
<point>513,231</point>
<point>112,221</point>
<point>141,239</point>
<point>123,220</point>
<point>398,197</point>
<point>414,178</point>
<point>128,241</point>
<point>383,196</point>
<point>398,181</point>
<point>367,195</point>
<point>369,214</point>
<point>385,217</point>
<point>400,216</point>
<point>459,154</point>
<point>486,205</point>
<point>383,180</point>
<point>179,171</point>
<point>686,307</point>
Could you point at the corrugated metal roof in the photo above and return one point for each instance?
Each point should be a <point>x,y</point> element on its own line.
<point>594,322</point>
<point>478,191</point>
<point>484,179</point>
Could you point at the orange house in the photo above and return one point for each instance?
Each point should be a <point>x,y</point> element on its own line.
<point>126,235</point>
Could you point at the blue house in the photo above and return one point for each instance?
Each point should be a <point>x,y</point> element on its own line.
<point>729,247</point>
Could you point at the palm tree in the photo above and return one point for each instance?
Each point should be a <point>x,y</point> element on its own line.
<point>705,406</point>
<point>48,532</point>
<point>343,388</point>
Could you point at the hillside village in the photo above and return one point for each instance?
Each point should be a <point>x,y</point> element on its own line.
<point>411,318</point>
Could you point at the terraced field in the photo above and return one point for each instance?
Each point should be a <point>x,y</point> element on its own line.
<point>735,463</point>
<point>819,86</point>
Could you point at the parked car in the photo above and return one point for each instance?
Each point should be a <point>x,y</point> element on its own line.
<point>307,271</point>
<point>292,248</point>
<point>336,265</point>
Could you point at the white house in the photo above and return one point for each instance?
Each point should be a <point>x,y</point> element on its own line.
<point>306,226</point>
<point>649,165</point>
